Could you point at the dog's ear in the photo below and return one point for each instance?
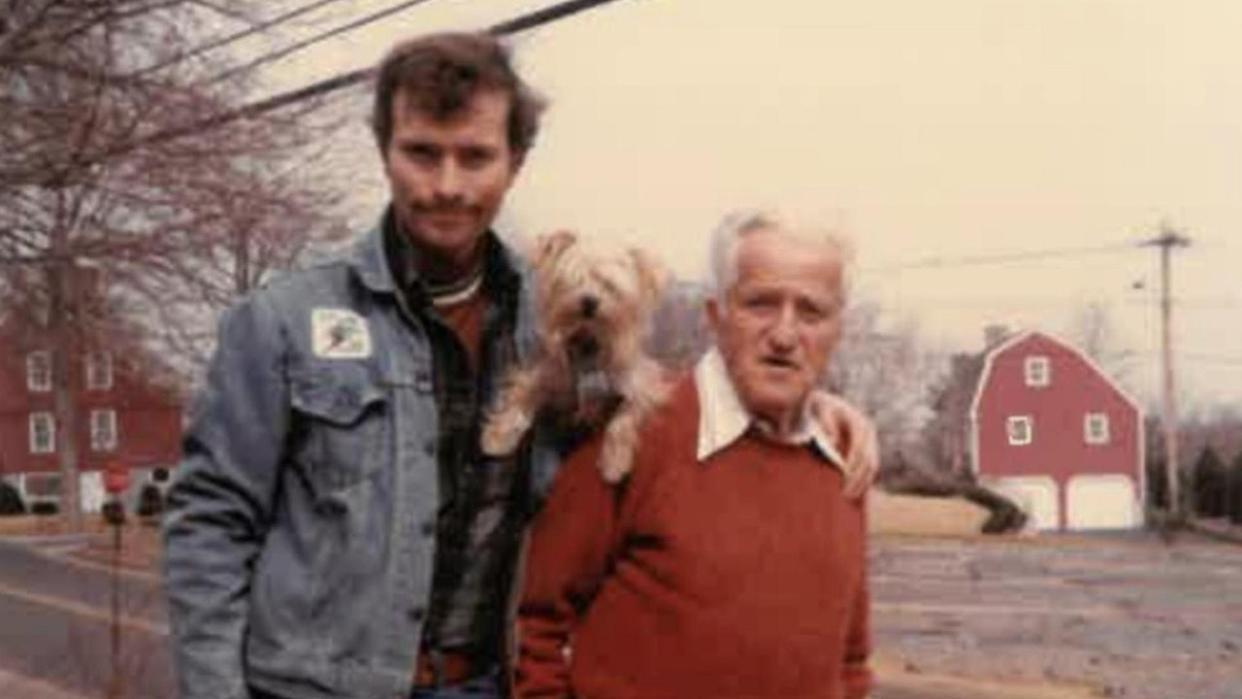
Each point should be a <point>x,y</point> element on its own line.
<point>550,246</point>
<point>651,272</point>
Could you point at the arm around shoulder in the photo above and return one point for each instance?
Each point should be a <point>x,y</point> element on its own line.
<point>855,435</point>
<point>221,499</point>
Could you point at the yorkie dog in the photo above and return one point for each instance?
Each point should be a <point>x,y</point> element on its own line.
<point>594,302</point>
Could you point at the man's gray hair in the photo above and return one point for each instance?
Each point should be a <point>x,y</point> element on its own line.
<point>738,224</point>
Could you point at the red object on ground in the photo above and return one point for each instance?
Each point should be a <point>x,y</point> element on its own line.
<point>116,478</point>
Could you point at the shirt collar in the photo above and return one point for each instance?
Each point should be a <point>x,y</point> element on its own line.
<point>723,418</point>
<point>499,271</point>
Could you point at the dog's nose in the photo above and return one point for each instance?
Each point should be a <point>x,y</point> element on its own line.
<point>589,304</point>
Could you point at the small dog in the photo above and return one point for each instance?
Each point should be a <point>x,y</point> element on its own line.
<point>594,303</point>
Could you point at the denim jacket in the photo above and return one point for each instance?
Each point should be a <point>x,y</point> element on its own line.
<point>300,538</point>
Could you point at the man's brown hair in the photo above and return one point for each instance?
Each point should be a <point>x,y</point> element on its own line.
<point>441,73</point>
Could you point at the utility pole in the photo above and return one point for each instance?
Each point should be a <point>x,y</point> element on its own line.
<point>1168,239</point>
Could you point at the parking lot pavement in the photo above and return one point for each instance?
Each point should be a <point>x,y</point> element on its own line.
<point>1125,615</point>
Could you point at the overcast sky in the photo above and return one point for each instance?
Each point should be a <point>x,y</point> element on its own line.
<point>949,130</point>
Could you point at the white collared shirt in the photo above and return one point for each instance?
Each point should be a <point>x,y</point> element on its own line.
<point>723,418</point>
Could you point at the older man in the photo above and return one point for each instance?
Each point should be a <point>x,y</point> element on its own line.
<point>732,562</point>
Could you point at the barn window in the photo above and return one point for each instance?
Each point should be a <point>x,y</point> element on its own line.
<point>39,372</point>
<point>99,371</point>
<point>1037,370</point>
<point>103,430</point>
<point>1095,428</point>
<point>1019,429</point>
<point>42,433</point>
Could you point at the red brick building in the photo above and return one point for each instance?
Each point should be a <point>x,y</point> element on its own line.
<point>1052,431</point>
<point>123,414</point>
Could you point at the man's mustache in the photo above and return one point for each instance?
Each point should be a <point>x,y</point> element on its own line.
<point>444,206</point>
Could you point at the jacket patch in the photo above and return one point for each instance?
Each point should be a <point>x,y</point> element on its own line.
<point>338,333</point>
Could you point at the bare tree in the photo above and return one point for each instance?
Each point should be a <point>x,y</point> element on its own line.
<point>95,215</point>
<point>947,433</point>
<point>887,374</point>
<point>1092,330</point>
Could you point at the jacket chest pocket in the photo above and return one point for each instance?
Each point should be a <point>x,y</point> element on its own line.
<point>343,427</point>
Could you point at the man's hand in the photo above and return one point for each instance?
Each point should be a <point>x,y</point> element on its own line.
<point>855,436</point>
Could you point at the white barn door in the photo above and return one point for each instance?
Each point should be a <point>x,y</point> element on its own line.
<point>1101,502</point>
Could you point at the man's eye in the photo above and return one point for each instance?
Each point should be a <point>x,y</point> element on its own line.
<point>760,303</point>
<point>421,153</point>
<point>813,311</point>
<point>476,158</point>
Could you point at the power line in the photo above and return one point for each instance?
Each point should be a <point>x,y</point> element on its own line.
<point>323,36</point>
<point>1000,258</point>
<point>530,20</point>
<point>233,38</point>
<point>1211,358</point>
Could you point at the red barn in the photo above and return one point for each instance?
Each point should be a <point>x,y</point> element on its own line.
<point>1052,431</point>
<point>122,415</point>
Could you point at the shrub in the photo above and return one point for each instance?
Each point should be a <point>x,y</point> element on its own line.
<point>10,501</point>
<point>1235,490</point>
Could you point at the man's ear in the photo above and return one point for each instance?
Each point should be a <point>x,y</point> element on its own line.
<point>712,306</point>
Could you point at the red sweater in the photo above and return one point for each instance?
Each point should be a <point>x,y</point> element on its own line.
<point>742,576</point>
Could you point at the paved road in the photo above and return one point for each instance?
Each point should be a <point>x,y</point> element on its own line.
<point>55,626</point>
<point>1142,619</point>
<point>1129,615</point>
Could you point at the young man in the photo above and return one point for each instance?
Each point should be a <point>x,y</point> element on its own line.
<point>732,563</point>
<point>334,530</point>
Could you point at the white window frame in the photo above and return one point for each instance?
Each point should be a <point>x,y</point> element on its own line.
<point>1025,424</point>
<point>52,494</point>
<point>1037,371</point>
<point>1101,435</point>
<point>99,371</point>
<point>36,446</point>
<point>103,430</point>
<point>39,381</point>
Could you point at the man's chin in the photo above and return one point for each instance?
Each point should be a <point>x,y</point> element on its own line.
<point>773,404</point>
<point>444,236</point>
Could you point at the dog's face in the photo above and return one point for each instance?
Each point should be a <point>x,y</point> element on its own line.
<point>594,299</point>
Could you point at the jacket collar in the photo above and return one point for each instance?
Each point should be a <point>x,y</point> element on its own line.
<point>723,419</point>
<point>369,260</point>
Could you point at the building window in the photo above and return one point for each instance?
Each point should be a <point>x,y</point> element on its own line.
<point>1038,371</point>
<point>42,486</point>
<point>103,430</point>
<point>99,371</point>
<point>39,372</point>
<point>42,433</point>
<point>1019,429</point>
<point>1095,428</point>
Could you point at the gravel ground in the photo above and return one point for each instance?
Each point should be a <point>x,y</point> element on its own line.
<point>1128,615</point>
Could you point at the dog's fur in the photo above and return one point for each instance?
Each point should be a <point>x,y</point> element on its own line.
<point>594,303</point>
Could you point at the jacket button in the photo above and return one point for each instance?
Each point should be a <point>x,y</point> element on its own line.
<point>429,447</point>
<point>428,528</point>
<point>418,613</point>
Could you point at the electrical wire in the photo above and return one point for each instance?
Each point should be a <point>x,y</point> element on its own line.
<point>1000,258</point>
<point>232,38</point>
<point>323,36</point>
